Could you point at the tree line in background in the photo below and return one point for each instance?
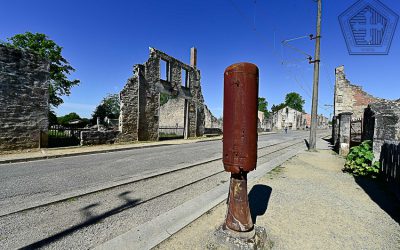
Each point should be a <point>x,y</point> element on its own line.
<point>292,100</point>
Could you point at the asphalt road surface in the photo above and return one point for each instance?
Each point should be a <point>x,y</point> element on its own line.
<point>86,221</point>
<point>36,181</point>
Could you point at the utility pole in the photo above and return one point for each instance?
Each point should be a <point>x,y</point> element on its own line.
<point>316,61</point>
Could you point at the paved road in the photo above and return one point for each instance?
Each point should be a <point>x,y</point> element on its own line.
<point>36,181</point>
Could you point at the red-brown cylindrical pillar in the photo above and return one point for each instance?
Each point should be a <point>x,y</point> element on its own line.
<point>240,140</point>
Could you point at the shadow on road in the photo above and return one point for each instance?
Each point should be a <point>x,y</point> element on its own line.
<point>258,200</point>
<point>307,144</point>
<point>90,220</point>
<point>379,193</point>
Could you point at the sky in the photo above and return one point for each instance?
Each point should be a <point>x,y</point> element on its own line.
<point>102,40</point>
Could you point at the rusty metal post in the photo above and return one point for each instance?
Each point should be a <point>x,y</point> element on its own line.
<point>240,140</point>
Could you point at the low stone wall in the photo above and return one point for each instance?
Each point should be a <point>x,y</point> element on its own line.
<point>212,131</point>
<point>98,137</point>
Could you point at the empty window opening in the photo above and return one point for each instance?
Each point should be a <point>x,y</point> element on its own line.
<point>184,78</point>
<point>164,70</point>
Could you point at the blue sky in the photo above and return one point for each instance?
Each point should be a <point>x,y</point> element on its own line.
<point>104,39</point>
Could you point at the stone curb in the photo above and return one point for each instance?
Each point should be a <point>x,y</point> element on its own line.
<point>44,157</point>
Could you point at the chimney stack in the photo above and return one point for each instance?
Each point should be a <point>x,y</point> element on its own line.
<point>193,57</point>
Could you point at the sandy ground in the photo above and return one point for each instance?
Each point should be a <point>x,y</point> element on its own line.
<point>308,203</point>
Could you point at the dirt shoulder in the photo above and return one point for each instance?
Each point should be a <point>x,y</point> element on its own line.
<point>308,203</point>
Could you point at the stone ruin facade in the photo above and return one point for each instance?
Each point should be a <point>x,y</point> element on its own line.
<point>24,99</point>
<point>358,113</point>
<point>349,100</point>
<point>349,97</point>
<point>210,120</point>
<point>294,120</point>
<point>172,115</point>
<point>140,98</point>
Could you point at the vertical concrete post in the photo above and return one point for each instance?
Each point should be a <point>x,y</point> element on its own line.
<point>98,123</point>
<point>335,131</point>
<point>344,132</point>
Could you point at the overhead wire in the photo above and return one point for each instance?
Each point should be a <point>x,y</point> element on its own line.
<point>260,36</point>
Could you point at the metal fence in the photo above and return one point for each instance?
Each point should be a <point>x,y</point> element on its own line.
<point>390,166</point>
<point>60,136</point>
<point>356,127</point>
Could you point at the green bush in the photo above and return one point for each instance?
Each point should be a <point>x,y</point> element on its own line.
<point>360,161</point>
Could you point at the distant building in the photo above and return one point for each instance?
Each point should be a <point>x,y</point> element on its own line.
<point>294,120</point>
<point>262,122</point>
<point>289,118</point>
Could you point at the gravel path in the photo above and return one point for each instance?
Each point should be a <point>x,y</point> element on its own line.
<point>308,203</point>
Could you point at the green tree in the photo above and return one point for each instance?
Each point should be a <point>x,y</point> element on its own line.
<point>60,68</point>
<point>112,104</point>
<point>262,106</point>
<point>64,120</point>
<point>53,120</point>
<point>275,108</point>
<point>295,101</point>
<point>109,106</point>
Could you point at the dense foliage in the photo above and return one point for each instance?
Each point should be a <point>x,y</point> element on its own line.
<point>292,100</point>
<point>295,101</point>
<point>262,106</point>
<point>59,67</point>
<point>359,161</point>
<point>109,106</point>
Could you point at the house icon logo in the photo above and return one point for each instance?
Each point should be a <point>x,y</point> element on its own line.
<point>368,27</point>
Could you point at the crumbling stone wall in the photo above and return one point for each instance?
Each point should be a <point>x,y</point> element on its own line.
<point>288,117</point>
<point>349,97</point>
<point>172,113</point>
<point>98,137</point>
<point>210,120</point>
<point>24,98</point>
<point>129,107</point>
<point>140,98</point>
<point>382,124</point>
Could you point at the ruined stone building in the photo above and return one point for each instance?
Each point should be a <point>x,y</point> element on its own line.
<point>288,117</point>
<point>364,117</point>
<point>262,124</point>
<point>24,99</point>
<point>210,120</point>
<point>294,120</point>
<point>172,115</point>
<point>349,97</point>
<point>140,99</point>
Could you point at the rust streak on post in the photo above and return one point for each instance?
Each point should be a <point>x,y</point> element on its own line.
<point>240,140</point>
